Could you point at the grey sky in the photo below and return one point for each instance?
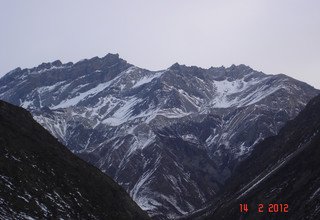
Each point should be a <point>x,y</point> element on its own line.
<point>274,36</point>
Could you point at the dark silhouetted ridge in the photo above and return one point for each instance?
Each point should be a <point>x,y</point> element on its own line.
<point>41,179</point>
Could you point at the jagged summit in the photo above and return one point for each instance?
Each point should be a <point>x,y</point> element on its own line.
<point>55,63</point>
<point>112,59</point>
<point>97,64</point>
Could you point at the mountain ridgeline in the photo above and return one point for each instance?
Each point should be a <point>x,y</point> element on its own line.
<point>170,138</point>
<point>283,169</point>
<point>41,179</point>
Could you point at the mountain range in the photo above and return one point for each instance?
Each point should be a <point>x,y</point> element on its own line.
<point>170,138</point>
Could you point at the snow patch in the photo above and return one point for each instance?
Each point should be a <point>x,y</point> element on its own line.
<point>147,79</point>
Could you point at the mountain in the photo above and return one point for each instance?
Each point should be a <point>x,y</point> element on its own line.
<point>171,138</point>
<point>283,169</point>
<point>41,179</point>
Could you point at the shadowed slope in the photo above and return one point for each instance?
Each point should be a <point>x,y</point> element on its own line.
<point>40,178</point>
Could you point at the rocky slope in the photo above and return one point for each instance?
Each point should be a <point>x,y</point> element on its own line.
<point>283,169</point>
<point>170,137</point>
<point>42,179</point>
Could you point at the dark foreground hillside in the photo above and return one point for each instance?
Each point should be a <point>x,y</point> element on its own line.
<point>40,178</point>
<point>284,169</point>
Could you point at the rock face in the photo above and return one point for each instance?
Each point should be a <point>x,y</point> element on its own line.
<point>283,169</point>
<point>41,179</point>
<point>170,137</point>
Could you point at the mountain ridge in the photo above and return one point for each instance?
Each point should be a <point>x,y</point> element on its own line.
<point>183,127</point>
<point>286,172</point>
<point>40,178</point>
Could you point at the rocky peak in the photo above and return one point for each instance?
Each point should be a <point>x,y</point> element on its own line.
<point>175,67</point>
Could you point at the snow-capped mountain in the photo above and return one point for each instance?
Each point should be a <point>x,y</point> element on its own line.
<point>171,137</point>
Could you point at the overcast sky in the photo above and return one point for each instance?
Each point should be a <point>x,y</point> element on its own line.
<point>274,36</point>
